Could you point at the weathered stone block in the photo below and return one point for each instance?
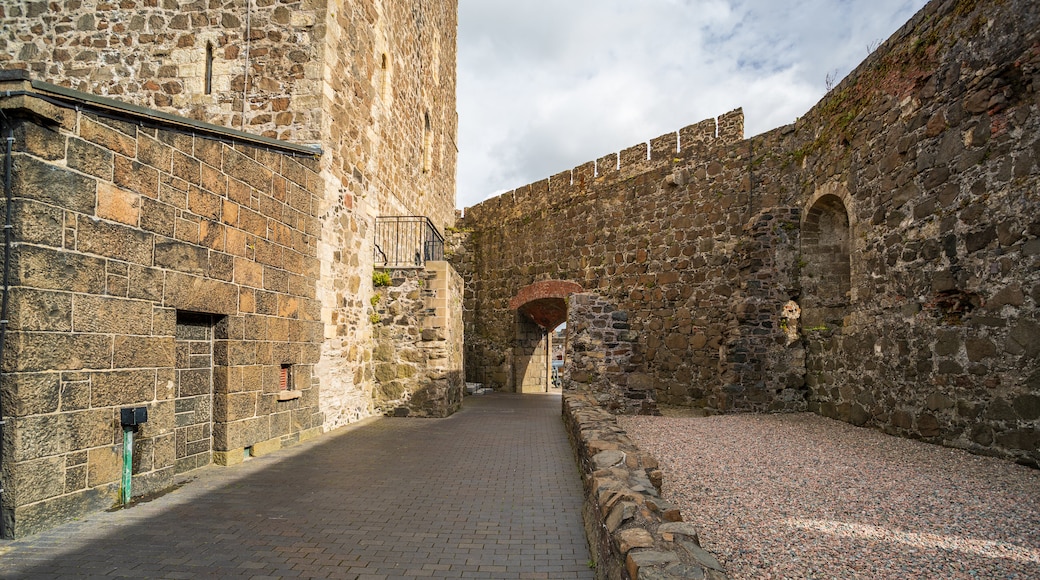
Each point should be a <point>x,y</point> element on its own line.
<point>266,447</point>
<point>701,556</point>
<point>246,170</point>
<point>1009,295</point>
<point>1027,407</point>
<point>75,478</point>
<point>117,204</point>
<point>142,351</point>
<point>1020,440</point>
<point>386,372</point>
<point>947,343</point>
<point>95,131</point>
<point>104,315</point>
<point>46,268</point>
<point>40,310</point>
<point>196,294</point>
<point>89,158</point>
<point>154,153</point>
<point>234,407</point>
<point>104,465</point>
<point>114,241</point>
<point>92,428</point>
<point>243,433</point>
<point>229,458</point>
<point>928,425</point>
<point>1024,339</point>
<point>634,538</point>
<point>38,223</point>
<point>145,283</point>
<point>35,518</point>
<point>34,352</point>
<point>637,561</point>
<point>281,424</point>
<point>31,394</point>
<point>641,381</point>
<point>43,142</point>
<point>204,203</point>
<point>39,436</point>
<point>158,217</point>
<point>37,480</point>
<point>122,388</point>
<point>621,513</point>
<point>75,394</point>
<point>939,402</point>
<point>194,382</point>
<point>181,256</point>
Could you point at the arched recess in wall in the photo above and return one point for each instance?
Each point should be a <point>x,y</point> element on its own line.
<point>826,274</point>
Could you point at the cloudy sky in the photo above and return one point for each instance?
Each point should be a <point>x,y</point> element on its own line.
<point>545,85</point>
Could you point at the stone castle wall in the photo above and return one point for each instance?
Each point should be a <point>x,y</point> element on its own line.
<point>263,60</point>
<point>388,65</point>
<point>933,150</point>
<point>372,82</point>
<point>368,84</point>
<point>630,228</point>
<point>875,261</point>
<point>159,268</point>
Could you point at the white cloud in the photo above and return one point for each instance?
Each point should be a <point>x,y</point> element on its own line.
<point>545,86</point>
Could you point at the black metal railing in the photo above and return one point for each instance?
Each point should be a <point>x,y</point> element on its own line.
<point>407,242</point>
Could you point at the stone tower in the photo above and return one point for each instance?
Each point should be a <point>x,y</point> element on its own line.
<point>365,88</point>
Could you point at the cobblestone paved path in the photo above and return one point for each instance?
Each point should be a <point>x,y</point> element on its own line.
<point>492,492</point>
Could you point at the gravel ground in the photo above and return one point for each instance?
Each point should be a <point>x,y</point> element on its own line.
<point>801,496</point>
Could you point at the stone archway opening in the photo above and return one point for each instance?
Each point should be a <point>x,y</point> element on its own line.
<point>827,268</point>
<point>540,309</point>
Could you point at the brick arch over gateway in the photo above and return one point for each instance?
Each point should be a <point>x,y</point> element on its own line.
<point>545,303</point>
<point>540,307</point>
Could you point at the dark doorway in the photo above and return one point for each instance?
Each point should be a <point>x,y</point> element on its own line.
<point>194,404</point>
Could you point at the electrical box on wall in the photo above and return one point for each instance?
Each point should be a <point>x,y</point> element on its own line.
<point>131,416</point>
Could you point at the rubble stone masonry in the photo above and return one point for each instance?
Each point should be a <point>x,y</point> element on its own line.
<point>876,261</point>
<point>418,350</point>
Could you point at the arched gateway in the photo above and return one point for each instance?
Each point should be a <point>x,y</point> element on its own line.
<point>540,308</point>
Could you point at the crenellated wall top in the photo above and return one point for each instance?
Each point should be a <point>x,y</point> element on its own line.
<point>690,141</point>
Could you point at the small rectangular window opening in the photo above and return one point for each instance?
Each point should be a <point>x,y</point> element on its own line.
<point>383,78</point>
<point>427,152</point>
<point>209,68</point>
<point>285,378</point>
<point>286,392</point>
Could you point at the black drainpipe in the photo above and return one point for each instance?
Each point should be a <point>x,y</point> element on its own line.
<point>8,165</point>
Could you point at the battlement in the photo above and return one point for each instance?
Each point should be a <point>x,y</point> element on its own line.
<point>690,141</point>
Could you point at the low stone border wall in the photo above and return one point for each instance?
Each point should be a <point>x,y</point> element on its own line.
<point>633,532</point>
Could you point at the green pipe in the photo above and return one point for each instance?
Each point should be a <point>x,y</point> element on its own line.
<point>128,462</point>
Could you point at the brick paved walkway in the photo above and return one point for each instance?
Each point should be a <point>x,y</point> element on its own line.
<point>492,492</point>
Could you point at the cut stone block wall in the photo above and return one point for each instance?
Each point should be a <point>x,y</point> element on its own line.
<point>373,82</point>
<point>153,267</point>
<point>876,261</point>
